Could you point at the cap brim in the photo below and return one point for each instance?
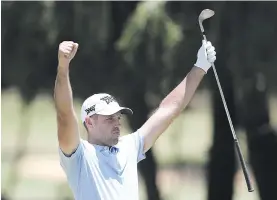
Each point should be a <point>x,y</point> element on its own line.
<point>126,111</point>
<point>123,110</point>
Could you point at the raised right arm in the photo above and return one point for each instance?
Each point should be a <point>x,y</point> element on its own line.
<point>68,132</point>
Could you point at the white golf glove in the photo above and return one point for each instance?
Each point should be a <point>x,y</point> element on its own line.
<point>205,56</point>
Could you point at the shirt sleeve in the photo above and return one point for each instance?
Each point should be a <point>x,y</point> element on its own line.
<point>139,143</point>
<point>72,164</point>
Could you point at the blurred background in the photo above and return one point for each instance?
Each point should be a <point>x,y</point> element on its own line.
<point>138,51</point>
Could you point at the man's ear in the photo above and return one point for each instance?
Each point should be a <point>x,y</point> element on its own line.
<point>88,122</point>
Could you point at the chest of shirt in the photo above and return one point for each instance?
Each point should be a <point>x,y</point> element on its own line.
<point>111,168</point>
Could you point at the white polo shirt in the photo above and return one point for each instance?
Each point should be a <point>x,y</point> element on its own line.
<point>96,172</point>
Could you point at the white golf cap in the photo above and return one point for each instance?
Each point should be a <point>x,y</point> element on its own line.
<point>102,104</point>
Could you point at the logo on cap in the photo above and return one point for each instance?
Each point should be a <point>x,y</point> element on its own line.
<point>90,109</point>
<point>108,99</point>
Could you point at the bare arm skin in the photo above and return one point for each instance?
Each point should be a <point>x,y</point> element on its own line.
<point>68,133</point>
<point>171,107</point>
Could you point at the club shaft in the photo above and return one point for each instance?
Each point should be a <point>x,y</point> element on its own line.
<point>223,98</point>
<point>244,168</point>
<point>241,159</point>
<point>224,103</point>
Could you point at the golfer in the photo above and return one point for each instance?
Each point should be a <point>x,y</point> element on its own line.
<point>104,167</point>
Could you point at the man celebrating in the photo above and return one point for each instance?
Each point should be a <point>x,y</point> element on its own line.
<point>104,167</point>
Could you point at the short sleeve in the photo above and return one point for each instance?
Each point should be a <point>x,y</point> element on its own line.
<point>139,145</point>
<point>72,164</point>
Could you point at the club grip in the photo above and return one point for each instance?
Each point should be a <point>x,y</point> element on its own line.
<point>244,169</point>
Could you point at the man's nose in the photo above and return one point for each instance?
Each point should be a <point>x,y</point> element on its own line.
<point>116,122</point>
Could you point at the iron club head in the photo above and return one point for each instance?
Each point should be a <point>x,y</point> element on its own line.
<point>205,14</point>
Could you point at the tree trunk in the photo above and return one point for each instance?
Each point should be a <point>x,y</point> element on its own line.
<point>222,156</point>
<point>261,138</point>
<point>147,167</point>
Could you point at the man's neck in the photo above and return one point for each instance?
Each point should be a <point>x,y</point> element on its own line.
<point>92,141</point>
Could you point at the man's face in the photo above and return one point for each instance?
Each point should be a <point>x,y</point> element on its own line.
<point>107,128</point>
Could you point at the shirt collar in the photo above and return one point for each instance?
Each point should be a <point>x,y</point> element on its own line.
<point>106,149</point>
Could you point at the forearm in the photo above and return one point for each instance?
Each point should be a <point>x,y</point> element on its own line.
<point>182,94</point>
<point>178,98</point>
<point>63,93</point>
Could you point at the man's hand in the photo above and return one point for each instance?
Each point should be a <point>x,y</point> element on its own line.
<point>67,51</point>
<point>205,56</point>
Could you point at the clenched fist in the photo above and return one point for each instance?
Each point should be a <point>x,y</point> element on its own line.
<point>67,51</point>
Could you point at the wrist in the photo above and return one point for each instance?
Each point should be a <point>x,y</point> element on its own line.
<point>63,64</point>
<point>63,69</point>
<point>199,70</point>
<point>204,68</point>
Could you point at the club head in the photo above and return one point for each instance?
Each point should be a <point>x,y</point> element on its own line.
<point>205,14</point>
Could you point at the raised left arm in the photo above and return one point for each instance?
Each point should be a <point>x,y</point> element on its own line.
<point>178,98</point>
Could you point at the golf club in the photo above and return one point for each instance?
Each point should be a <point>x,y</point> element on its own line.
<point>205,14</point>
